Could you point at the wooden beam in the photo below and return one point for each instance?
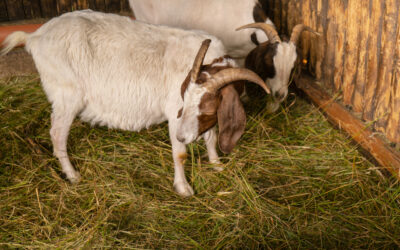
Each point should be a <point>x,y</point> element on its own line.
<point>338,115</point>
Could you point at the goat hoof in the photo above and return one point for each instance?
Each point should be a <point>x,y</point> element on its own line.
<point>217,166</point>
<point>74,177</point>
<point>183,189</point>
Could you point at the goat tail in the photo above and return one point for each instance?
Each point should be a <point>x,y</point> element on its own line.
<point>13,40</point>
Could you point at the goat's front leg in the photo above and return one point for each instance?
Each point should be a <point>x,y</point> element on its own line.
<point>179,155</point>
<point>210,137</point>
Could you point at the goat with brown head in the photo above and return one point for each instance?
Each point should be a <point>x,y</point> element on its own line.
<point>211,95</point>
<point>274,60</point>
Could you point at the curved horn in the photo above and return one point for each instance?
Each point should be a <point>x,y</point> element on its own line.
<point>296,32</point>
<point>268,29</point>
<point>226,76</point>
<point>198,61</point>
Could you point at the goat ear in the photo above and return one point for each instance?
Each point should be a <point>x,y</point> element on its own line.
<point>231,119</point>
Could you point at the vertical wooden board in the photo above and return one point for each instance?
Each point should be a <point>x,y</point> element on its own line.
<point>125,6</point>
<point>64,6</point>
<point>305,36</point>
<point>330,41</point>
<point>32,9</point>
<point>92,4</point>
<point>322,13</point>
<point>49,8</point>
<point>100,5</point>
<point>113,6</point>
<point>385,72</point>
<point>340,18</point>
<point>3,11</point>
<point>313,7</point>
<point>353,29</point>
<point>82,4</point>
<point>393,129</point>
<point>361,77</point>
<point>15,10</point>
<point>374,43</point>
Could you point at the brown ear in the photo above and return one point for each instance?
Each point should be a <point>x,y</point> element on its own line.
<point>231,119</point>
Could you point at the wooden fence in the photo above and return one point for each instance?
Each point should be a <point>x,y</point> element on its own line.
<point>11,10</point>
<point>357,56</point>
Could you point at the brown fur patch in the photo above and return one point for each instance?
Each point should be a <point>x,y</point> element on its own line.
<point>261,60</point>
<point>259,14</point>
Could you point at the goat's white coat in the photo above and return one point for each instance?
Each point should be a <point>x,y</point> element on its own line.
<point>221,18</point>
<point>119,73</point>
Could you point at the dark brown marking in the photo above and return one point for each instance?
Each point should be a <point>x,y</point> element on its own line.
<point>261,60</point>
<point>259,14</point>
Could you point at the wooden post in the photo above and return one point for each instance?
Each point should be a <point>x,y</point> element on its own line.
<point>3,11</point>
<point>49,8</point>
<point>32,9</point>
<point>382,93</point>
<point>64,6</point>
<point>340,18</point>
<point>330,41</point>
<point>357,130</point>
<point>361,77</point>
<point>15,10</point>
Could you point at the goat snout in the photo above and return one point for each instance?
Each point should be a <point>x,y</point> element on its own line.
<point>280,95</point>
<point>180,138</point>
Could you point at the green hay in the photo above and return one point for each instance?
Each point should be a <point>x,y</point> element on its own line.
<point>293,181</point>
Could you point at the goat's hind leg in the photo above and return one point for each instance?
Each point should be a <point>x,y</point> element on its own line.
<point>64,112</point>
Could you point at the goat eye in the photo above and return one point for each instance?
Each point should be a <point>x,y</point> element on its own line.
<point>179,113</point>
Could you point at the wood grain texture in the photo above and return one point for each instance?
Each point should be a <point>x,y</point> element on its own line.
<point>385,71</point>
<point>113,6</point>
<point>64,6</point>
<point>3,11</point>
<point>32,9</point>
<point>376,20</point>
<point>351,50</point>
<point>49,8</point>
<point>361,77</point>
<point>15,10</point>
<point>356,129</point>
<point>330,40</point>
<point>340,20</point>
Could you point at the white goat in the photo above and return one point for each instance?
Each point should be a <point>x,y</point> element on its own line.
<point>258,47</point>
<point>129,75</point>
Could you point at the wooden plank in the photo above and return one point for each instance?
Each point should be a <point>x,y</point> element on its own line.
<point>32,9</point>
<point>386,66</point>
<point>82,4</point>
<point>340,19</point>
<point>393,129</point>
<point>356,129</point>
<point>100,5</point>
<point>330,41</point>
<point>64,6</point>
<point>15,10</point>
<point>361,77</point>
<point>313,41</point>
<point>322,11</point>
<point>113,6</point>
<point>125,6</point>
<point>376,21</point>
<point>353,29</point>
<point>3,11</point>
<point>49,8</point>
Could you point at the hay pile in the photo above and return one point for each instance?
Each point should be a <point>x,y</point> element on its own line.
<point>292,181</point>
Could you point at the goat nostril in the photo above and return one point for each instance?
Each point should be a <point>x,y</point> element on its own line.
<point>180,139</point>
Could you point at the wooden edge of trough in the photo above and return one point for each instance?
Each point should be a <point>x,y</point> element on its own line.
<point>361,134</point>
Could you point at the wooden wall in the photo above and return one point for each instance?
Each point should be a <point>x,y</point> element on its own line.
<point>357,56</point>
<point>11,10</point>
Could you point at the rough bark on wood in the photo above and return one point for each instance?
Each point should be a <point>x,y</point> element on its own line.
<point>386,64</point>
<point>340,19</point>
<point>357,130</point>
<point>361,77</point>
<point>373,58</point>
<point>351,50</point>
<point>64,6</point>
<point>330,41</point>
<point>393,129</point>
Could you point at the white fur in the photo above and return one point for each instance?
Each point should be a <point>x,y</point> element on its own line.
<point>221,18</point>
<point>119,73</point>
<point>218,17</point>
